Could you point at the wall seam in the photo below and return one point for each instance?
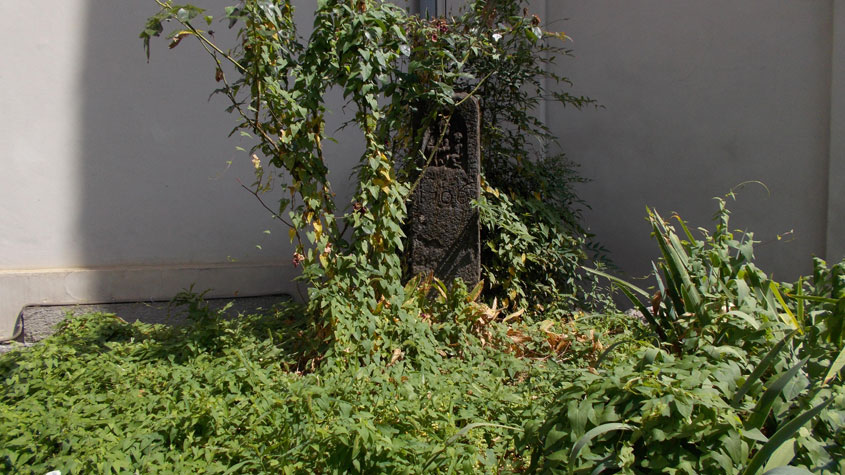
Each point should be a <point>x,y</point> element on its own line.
<point>835,219</point>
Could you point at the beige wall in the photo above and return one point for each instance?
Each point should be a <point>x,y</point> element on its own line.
<point>699,96</point>
<point>116,181</point>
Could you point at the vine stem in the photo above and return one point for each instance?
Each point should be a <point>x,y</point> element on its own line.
<point>202,38</point>
<point>213,50</point>
<point>275,214</point>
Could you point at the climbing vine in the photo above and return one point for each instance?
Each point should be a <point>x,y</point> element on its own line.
<point>388,65</point>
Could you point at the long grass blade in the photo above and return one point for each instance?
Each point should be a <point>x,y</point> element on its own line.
<point>674,305</point>
<point>618,281</point>
<point>782,435</point>
<point>676,256</point>
<point>602,467</point>
<point>792,320</point>
<point>764,405</point>
<point>761,368</point>
<point>835,367</point>
<point>836,323</point>
<point>787,470</point>
<point>686,229</point>
<point>671,291</point>
<point>813,298</point>
<point>661,333</point>
<point>628,289</point>
<point>593,433</point>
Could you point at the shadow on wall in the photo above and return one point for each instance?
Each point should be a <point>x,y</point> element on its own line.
<point>158,176</point>
<point>160,180</point>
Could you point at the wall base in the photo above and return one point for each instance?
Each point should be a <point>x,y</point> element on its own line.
<point>22,288</point>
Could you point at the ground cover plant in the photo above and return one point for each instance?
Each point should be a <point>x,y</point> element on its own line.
<point>532,370</point>
<point>746,380</point>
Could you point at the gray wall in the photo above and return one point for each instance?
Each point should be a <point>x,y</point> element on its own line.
<point>698,97</point>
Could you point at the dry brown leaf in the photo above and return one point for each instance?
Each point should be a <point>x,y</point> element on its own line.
<point>518,337</point>
<point>397,353</point>
<point>514,315</point>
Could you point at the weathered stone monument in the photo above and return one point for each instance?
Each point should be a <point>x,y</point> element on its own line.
<point>443,231</point>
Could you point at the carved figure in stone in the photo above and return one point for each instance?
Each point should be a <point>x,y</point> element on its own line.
<point>443,230</point>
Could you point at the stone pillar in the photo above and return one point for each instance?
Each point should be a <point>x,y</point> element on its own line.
<point>443,228</point>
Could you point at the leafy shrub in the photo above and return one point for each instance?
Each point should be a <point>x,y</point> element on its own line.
<point>390,67</point>
<point>738,370</point>
<point>532,259</point>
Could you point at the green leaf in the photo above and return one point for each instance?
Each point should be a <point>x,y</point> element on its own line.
<point>788,471</point>
<point>792,321</point>
<point>786,432</point>
<point>462,433</point>
<point>781,456</point>
<point>591,434</point>
<point>761,368</point>
<point>553,437</point>
<point>475,292</point>
<point>764,405</point>
<point>753,323</point>
<point>610,348</point>
<point>835,367</point>
<point>755,434</point>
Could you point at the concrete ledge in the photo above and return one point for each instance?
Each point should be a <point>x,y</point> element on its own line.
<point>39,322</point>
<point>24,288</point>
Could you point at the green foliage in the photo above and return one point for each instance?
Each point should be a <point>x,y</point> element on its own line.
<point>732,373</point>
<point>237,396</point>
<point>530,214</point>
<point>531,259</point>
<point>391,67</point>
<point>702,282</point>
<point>486,390</point>
<point>738,381</point>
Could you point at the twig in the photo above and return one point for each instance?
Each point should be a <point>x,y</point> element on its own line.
<point>258,197</point>
<point>202,38</point>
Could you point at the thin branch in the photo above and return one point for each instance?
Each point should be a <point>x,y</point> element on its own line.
<point>275,214</point>
<point>256,125</point>
<point>202,38</point>
<point>213,50</point>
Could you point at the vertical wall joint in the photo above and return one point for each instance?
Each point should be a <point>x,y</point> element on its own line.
<point>835,245</point>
